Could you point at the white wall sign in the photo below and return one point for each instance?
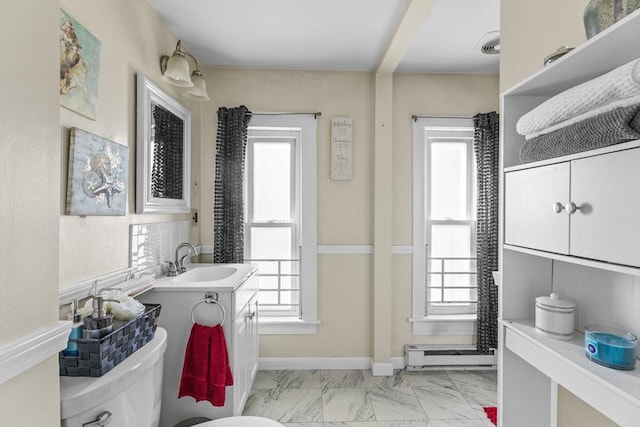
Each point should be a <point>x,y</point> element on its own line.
<point>341,148</point>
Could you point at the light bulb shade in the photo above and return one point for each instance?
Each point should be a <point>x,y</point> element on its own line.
<point>177,71</point>
<point>198,92</point>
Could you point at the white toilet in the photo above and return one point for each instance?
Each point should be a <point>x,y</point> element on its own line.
<point>129,395</point>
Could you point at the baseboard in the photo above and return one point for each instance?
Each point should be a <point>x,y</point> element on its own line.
<point>398,362</point>
<point>312,363</point>
<point>381,369</point>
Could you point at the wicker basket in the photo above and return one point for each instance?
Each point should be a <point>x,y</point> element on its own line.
<point>97,357</point>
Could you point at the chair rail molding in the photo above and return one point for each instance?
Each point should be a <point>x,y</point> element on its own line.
<point>26,352</point>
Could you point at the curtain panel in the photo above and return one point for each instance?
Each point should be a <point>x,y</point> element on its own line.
<point>228,206</point>
<point>486,146</point>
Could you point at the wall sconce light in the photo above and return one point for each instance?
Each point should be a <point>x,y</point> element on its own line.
<point>175,71</point>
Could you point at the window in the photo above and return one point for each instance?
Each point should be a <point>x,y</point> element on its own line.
<point>444,276</point>
<point>280,229</point>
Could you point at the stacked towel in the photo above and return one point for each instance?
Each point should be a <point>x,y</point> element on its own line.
<point>574,118</point>
<point>613,127</point>
<point>206,370</point>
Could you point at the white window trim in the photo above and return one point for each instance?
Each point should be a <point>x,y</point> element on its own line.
<point>443,324</point>
<point>309,241</point>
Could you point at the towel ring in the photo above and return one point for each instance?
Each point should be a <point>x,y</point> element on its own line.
<point>209,299</point>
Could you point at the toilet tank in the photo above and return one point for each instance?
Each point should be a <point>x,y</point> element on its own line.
<point>129,394</point>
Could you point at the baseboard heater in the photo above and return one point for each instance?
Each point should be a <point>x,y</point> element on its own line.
<point>433,356</point>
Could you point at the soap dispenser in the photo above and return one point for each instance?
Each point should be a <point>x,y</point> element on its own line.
<point>76,331</point>
<point>99,323</point>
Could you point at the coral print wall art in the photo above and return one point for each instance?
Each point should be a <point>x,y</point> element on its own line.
<point>98,175</point>
<point>79,67</point>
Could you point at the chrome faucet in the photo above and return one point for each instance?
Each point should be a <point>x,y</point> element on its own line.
<point>179,263</point>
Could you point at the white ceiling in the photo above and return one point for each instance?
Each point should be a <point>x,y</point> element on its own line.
<point>331,34</point>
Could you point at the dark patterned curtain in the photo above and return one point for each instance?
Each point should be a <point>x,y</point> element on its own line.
<point>486,142</point>
<point>228,206</point>
<point>168,152</point>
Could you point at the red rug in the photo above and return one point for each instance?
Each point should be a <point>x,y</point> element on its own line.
<point>492,414</point>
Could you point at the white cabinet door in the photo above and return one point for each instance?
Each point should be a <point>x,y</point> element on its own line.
<point>252,341</point>
<point>530,219</point>
<point>607,190</point>
<point>245,354</point>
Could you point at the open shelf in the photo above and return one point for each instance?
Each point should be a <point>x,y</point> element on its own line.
<point>596,56</point>
<point>613,392</point>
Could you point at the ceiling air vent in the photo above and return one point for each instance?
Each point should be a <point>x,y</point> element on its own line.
<point>489,44</point>
<point>491,47</point>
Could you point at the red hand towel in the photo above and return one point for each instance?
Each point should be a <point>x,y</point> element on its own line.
<point>206,370</point>
<point>219,370</point>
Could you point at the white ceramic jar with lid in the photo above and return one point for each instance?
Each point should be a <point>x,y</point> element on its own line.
<point>555,317</point>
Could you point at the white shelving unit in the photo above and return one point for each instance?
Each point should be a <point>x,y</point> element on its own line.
<point>610,391</point>
<point>531,367</point>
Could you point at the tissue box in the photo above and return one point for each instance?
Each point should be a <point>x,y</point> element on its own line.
<point>96,357</point>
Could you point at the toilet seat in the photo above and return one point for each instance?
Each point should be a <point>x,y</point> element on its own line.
<point>241,422</point>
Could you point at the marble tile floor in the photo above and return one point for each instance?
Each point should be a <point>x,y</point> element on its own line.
<point>355,398</point>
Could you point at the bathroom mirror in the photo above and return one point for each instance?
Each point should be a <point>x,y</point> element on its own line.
<point>163,151</point>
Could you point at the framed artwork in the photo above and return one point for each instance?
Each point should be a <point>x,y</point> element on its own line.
<point>79,67</point>
<point>98,175</point>
<point>341,148</point>
<point>163,151</point>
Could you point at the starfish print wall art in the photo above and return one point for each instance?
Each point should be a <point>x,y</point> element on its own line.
<point>98,175</point>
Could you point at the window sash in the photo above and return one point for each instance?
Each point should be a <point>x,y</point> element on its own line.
<point>304,128</point>
<point>460,136</point>
<point>265,136</point>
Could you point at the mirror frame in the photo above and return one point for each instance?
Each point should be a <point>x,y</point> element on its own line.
<point>149,94</point>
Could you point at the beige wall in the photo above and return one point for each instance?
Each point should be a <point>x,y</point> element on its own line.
<point>345,213</point>
<point>574,412</point>
<point>33,165</point>
<point>344,207</point>
<point>530,30</point>
<point>133,39</point>
<point>29,187</point>
<point>436,95</point>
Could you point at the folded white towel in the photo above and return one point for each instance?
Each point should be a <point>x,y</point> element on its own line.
<point>627,102</point>
<point>616,85</point>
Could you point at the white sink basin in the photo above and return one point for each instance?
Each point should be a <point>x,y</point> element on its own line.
<point>206,274</point>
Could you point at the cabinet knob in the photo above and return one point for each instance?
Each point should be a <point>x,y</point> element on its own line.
<point>558,207</point>
<point>251,315</point>
<point>571,208</point>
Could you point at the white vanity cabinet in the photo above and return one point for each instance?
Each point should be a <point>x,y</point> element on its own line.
<point>588,207</point>
<point>590,256</point>
<point>238,295</point>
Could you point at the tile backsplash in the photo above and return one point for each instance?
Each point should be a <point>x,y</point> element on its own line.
<point>153,244</point>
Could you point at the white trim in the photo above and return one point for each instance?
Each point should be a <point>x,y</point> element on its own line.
<point>309,363</point>
<point>418,300</point>
<point>422,326</point>
<point>398,362</point>
<point>28,351</point>
<point>308,202</point>
<point>553,404</point>
<point>115,280</point>
<point>345,249</point>
<point>361,249</point>
<point>381,369</point>
<point>205,249</point>
<point>337,249</point>
<point>402,250</point>
<point>286,326</point>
